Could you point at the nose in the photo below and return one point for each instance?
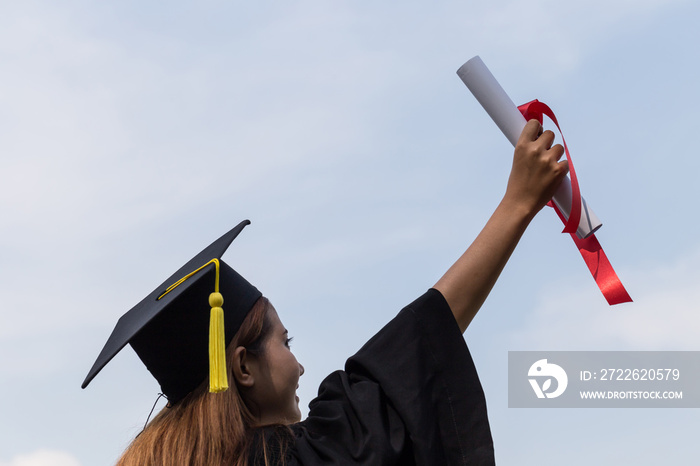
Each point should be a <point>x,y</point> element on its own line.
<point>301,370</point>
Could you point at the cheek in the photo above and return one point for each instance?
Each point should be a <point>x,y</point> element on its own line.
<point>292,367</point>
<point>290,382</point>
<point>285,372</point>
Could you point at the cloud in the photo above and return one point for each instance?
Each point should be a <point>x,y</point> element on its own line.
<point>43,458</point>
<point>663,316</point>
<point>553,35</point>
<point>102,135</point>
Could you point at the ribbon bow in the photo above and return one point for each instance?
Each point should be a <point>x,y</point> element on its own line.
<point>589,247</point>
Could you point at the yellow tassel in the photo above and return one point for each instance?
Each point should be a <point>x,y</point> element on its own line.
<point>218,380</point>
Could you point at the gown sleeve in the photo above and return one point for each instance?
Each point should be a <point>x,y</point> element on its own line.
<point>411,395</point>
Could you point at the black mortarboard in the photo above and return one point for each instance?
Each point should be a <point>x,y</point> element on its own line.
<point>170,328</point>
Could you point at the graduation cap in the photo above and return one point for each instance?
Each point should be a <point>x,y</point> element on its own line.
<point>181,330</point>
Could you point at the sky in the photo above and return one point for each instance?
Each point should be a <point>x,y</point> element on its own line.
<point>132,134</point>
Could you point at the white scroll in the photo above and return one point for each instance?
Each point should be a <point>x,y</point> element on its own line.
<point>508,118</point>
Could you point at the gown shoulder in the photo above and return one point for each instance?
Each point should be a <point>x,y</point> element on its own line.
<point>410,395</point>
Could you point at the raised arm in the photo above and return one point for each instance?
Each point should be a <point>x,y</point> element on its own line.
<point>534,177</point>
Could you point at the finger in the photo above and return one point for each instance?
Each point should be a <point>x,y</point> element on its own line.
<point>531,132</point>
<point>546,139</point>
<point>558,151</point>
<point>564,166</point>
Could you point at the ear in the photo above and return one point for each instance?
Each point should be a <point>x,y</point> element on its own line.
<point>242,370</point>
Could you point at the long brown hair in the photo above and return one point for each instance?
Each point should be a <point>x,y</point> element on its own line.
<point>205,429</point>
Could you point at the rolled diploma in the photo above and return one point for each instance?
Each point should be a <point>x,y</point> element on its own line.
<point>508,118</point>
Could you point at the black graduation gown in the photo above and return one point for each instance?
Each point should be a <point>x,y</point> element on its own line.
<point>411,395</point>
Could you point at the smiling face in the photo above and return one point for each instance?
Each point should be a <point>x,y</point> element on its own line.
<point>275,372</point>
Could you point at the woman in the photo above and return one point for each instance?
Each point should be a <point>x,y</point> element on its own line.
<point>411,395</point>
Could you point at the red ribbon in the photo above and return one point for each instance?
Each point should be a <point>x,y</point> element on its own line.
<point>590,249</point>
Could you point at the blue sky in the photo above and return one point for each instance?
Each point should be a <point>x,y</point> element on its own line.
<point>134,133</point>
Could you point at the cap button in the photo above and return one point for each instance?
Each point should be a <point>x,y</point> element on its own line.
<point>216,300</point>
